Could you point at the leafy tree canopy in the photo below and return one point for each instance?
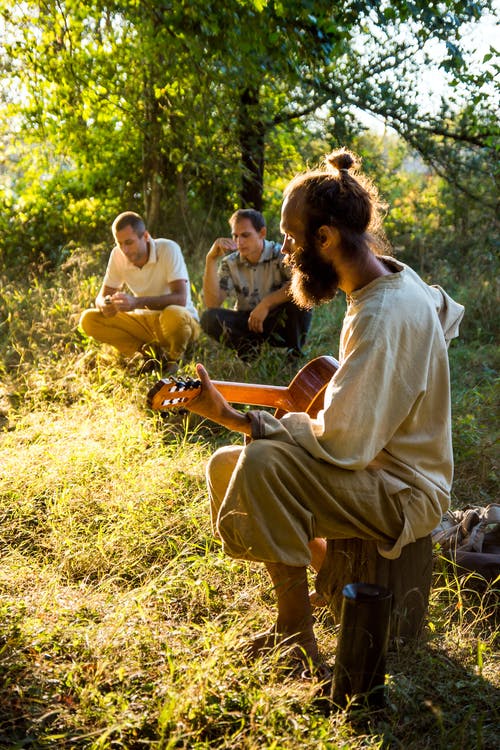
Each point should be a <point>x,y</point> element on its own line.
<point>165,106</point>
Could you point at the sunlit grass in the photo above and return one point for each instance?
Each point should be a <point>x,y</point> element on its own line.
<point>122,623</point>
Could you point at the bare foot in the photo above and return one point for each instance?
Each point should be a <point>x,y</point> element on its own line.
<point>299,646</point>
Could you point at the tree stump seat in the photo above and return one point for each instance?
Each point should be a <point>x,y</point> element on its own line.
<point>408,578</point>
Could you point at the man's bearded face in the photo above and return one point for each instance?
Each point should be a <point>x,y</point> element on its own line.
<point>314,280</point>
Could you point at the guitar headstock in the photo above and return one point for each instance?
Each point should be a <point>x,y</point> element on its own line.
<point>172,393</point>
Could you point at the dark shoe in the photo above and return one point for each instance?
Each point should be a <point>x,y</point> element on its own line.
<point>151,351</point>
<point>159,364</point>
<point>320,677</point>
<point>148,366</point>
<point>293,356</point>
<point>147,359</point>
<point>168,366</point>
<point>321,673</point>
<point>136,364</point>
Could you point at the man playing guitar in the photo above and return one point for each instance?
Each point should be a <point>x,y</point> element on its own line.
<point>375,462</point>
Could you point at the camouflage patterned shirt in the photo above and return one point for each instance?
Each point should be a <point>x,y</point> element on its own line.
<point>251,282</point>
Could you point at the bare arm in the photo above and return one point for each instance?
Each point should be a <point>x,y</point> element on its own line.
<point>267,303</point>
<point>126,302</point>
<point>213,295</point>
<point>212,405</point>
<point>104,303</point>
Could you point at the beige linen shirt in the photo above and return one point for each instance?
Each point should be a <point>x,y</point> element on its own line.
<point>388,405</point>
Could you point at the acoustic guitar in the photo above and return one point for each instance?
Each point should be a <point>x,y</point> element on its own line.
<point>305,392</point>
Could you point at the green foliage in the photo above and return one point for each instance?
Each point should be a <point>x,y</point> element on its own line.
<point>450,237</point>
<point>166,108</point>
<point>42,224</point>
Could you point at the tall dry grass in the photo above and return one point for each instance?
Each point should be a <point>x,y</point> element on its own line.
<point>121,621</point>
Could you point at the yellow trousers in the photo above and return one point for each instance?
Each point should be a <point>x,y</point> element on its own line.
<point>172,328</point>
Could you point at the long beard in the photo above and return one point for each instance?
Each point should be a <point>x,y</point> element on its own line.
<point>314,281</point>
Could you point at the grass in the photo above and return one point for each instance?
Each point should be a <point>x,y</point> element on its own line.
<point>122,622</point>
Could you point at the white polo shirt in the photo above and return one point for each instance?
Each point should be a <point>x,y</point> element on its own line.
<point>165,265</point>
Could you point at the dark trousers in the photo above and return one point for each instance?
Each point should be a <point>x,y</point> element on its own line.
<point>286,325</point>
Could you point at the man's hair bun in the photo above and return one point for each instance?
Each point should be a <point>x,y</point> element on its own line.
<point>341,160</point>
<point>338,194</point>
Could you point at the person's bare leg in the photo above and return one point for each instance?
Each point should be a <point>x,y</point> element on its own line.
<point>318,552</point>
<point>294,626</point>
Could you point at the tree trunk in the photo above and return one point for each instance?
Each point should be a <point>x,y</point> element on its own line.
<point>252,140</point>
<point>409,578</point>
<point>151,160</point>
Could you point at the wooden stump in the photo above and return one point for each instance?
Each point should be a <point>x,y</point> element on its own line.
<point>409,578</point>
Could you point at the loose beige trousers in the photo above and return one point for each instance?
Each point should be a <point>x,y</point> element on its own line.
<point>172,328</point>
<point>270,498</point>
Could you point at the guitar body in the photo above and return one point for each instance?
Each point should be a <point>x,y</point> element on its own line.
<point>307,389</point>
<point>305,392</point>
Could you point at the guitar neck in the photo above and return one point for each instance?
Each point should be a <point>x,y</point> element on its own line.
<point>304,394</point>
<point>277,396</point>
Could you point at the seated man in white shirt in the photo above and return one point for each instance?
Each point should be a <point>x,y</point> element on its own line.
<point>144,306</point>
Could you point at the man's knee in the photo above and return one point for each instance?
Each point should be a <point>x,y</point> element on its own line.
<point>172,315</point>
<point>88,319</point>
<point>219,471</point>
<point>177,323</point>
<point>210,322</point>
<point>297,314</point>
<point>259,457</point>
<point>223,462</point>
